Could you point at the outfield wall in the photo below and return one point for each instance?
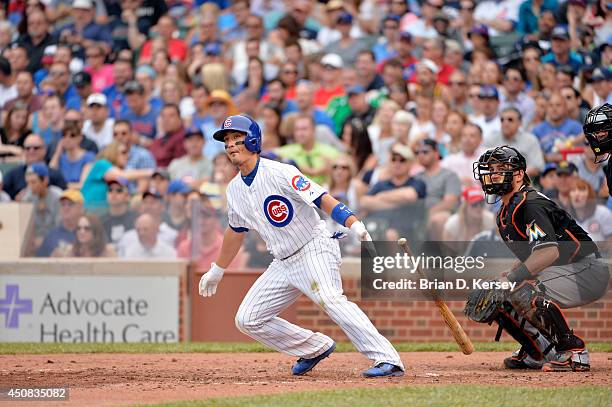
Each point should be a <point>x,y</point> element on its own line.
<point>93,300</point>
<point>112,300</point>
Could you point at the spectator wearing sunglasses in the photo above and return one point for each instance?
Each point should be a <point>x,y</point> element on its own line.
<point>443,187</point>
<point>35,151</point>
<point>90,240</point>
<point>395,205</point>
<point>119,218</point>
<point>512,135</point>
<point>513,94</point>
<point>70,158</point>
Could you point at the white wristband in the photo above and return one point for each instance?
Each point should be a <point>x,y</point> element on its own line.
<point>216,269</point>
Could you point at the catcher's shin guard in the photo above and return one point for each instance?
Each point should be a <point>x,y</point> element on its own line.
<point>546,316</point>
<point>533,343</point>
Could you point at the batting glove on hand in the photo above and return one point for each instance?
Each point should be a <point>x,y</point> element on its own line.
<point>359,230</point>
<point>210,280</point>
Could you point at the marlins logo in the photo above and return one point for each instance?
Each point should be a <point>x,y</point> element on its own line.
<point>534,232</point>
<point>300,183</point>
<point>278,210</point>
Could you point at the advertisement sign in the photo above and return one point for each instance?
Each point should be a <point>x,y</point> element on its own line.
<point>107,309</point>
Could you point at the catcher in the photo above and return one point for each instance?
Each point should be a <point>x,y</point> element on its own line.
<point>559,267</point>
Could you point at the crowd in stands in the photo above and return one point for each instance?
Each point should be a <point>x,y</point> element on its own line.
<point>108,108</point>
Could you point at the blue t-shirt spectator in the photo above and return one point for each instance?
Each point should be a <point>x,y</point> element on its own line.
<point>115,100</point>
<point>53,239</point>
<point>528,22</point>
<point>547,134</point>
<point>575,61</point>
<point>418,185</point>
<point>71,170</point>
<point>143,125</point>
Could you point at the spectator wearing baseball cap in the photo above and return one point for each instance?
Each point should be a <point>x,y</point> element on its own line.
<point>99,126</point>
<point>346,46</point>
<point>176,214</point>
<point>61,236</point>
<point>360,108</point>
<point>331,85</point>
<point>82,83</point>
<point>329,33</point>
<point>443,187</point>
<point>548,178</point>
<point>220,105</point>
<point>567,173</point>
<point>560,51</point>
<point>396,205</point>
<point>44,197</point>
<point>489,121</point>
<point>119,218</point>
<point>140,112</point>
<point>193,168</point>
<point>84,26</point>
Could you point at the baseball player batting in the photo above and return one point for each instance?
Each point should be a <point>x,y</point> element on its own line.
<point>278,201</point>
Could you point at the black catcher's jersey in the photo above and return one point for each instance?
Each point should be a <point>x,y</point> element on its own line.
<point>532,221</point>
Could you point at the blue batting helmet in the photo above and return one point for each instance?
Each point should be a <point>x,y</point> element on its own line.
<point>243,124</point>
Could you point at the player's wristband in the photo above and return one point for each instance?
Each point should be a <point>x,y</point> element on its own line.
<point>519,274</point>
<point>341,213</point>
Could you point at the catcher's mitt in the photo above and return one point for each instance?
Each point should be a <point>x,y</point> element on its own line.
<point>484,305</point>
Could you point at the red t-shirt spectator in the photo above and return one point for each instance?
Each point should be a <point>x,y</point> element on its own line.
<point>177,49</point>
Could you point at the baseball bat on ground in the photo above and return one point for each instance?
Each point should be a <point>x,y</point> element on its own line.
<point>455,327</point>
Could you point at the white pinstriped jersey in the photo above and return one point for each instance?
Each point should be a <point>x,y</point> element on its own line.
<point>278,205</point>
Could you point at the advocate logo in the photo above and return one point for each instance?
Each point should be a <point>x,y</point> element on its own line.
<point>11,306</point>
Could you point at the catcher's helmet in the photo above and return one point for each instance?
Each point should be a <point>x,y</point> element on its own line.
<point>598,129</point>
<point>243,124</point>
<point>513,160</point>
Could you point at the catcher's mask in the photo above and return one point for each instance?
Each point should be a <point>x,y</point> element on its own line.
<point>598,131</point>
<point>496,167</point>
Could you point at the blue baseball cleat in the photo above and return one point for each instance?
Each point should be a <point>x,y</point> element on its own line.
<point>383,370</point>
<point>303,366</point>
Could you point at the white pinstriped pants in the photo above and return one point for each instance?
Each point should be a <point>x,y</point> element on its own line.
<point>314,271</point>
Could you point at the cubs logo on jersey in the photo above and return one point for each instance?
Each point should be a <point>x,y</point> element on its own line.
<point>278,210</point>
<point>299,183</point>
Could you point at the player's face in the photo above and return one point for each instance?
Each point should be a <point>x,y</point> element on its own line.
<point>234,147</point>
<point>496,175</point>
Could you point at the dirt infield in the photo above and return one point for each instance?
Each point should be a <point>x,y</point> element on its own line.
<point>120,379</point>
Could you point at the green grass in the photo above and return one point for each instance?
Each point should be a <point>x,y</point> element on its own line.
<point>444,396</point>
<point>212,347</point>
